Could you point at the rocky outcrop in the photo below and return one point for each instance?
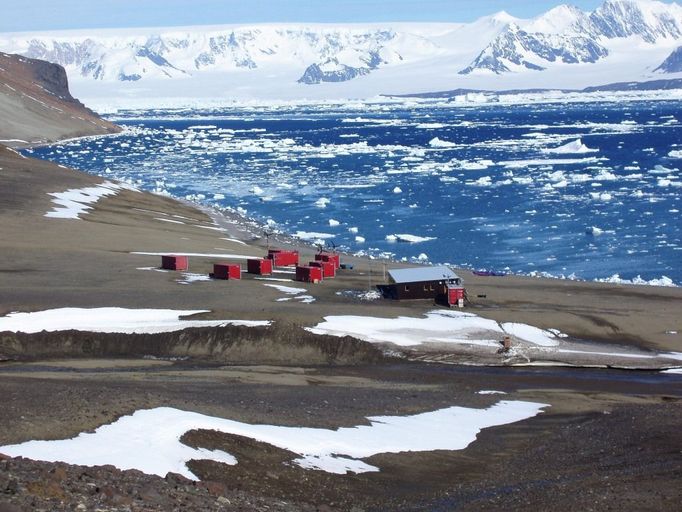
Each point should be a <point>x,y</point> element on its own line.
<point>673,64</point>
<point>37,106</point>
<point>516,47</point>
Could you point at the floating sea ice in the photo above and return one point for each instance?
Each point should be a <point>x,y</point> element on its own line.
<point>573,147</point>
<point>360,239</point>
<point>312,235</point>
<point>397,190</point>
<point>594,230</point>
<point>413,239</point>
<point>675,154</point>
<point>333,222</point>
<point>601,196</point>
<point>353,230</point>
<point>322,202</point>
<point>391,238</point>
<point>438,143</point>
<point>484,181</point>
<point>423,257</point>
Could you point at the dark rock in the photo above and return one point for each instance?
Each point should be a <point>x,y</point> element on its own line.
<point>673,64</point>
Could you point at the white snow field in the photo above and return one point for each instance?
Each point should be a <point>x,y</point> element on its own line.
<point>438,326</point>
<point>73,203</point>
<point>459,328</point>
<point>621,41</point>
<point>119,320</point>
<point>149,440</point>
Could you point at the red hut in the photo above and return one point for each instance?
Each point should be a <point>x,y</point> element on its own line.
<point>328,267</point>
<point>261,266</point>
<point>328,256</point>
<point>309,274</point>
<point>283,258</point>
<point>227,271</point>
<point>455,296</point>
<point>173,262</point>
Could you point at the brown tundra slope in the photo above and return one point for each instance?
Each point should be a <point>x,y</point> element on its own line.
<point>36,105</point>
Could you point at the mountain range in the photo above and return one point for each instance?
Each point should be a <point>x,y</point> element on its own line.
<point>622,40</point>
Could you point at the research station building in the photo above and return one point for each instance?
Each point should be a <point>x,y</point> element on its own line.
<point>419,283</point>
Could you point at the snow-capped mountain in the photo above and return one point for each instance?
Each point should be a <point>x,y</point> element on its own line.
<point>623,40</point>
<point>568,35</point>
<point>673,64</point>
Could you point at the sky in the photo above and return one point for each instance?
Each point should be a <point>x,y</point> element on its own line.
<point>42,15</point>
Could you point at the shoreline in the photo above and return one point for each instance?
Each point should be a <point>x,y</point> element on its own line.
<point>255,223</point>
<point>503,298</point>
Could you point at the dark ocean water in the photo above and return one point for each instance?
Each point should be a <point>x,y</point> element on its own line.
<point>484,187</point>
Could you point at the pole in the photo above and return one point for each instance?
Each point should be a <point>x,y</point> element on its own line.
<point>369,273</point>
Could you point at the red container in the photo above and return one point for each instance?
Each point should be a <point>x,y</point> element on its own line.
<point>173,262</point>
<point>328,267</point>
<point>327,256</point>
<point>261,267</point>
<point>227,271</point>
<point>309,274</point>
<point>282,258</point>
<point>455,296</point>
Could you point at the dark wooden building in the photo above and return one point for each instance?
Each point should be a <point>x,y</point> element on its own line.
<point>419,283</point>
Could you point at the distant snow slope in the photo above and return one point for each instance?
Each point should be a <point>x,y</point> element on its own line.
<point>623,40</point>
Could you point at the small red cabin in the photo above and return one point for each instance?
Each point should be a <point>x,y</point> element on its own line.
<point>309,274</point>
<point>328,267</point>
<point>282,258</point>
<point>261,267</point>
<point>173,262</point>
<point>327,256</point>
<point>227,271</point>
<point>455,296</point>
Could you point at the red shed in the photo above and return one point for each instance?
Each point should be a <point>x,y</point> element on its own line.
<point>282,258</point>
<point>328,267</point>
<point>227,271</point>
<point>455,296</point>
<point>309,274</point>
<point>173,262</point>
<point>261,267</point>
<point>328,256</point>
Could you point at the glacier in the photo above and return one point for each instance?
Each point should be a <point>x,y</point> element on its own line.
<point>564,48</point>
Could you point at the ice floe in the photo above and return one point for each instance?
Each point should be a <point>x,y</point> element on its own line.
<point>438,143</point>
<point>412,239</point>
<point>573,147</point>
<point>112,319</point>
<point>149,440</point>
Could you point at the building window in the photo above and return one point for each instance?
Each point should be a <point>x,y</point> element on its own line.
<point>407,288</point>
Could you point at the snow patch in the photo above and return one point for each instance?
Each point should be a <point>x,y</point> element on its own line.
<point>111,319</point>
<point>77,201</point>
<point>149,440</point>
